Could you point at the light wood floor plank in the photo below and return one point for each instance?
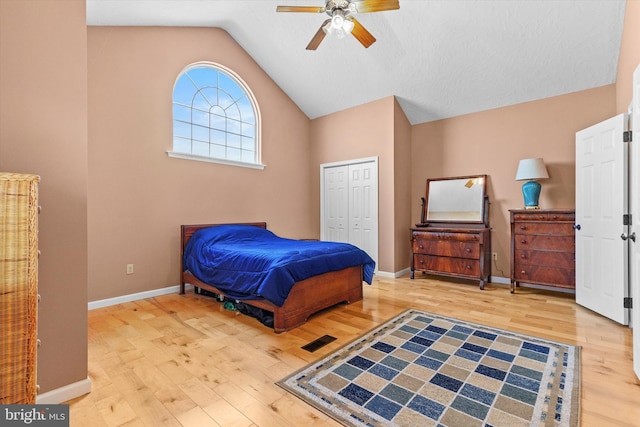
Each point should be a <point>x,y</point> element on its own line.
<point>185,360</point>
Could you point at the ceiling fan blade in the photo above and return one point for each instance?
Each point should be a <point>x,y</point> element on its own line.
<point>318,37</point>
<point>309,9</point>
<point>365,6</point>
<point>362,34</point>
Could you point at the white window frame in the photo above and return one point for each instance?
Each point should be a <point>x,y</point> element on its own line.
<point>256,111</point>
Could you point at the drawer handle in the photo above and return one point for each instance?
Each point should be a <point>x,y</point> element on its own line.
<point>523,227</point>
<point>523,272</point>
<point>523,256</point>
<point>523,241</point>
<point>468,250</point>
<point>420,247</point>
<point>420,261</point>
<point>468,267</point>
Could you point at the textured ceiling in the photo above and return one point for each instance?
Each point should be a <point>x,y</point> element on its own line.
<point>440,58</point>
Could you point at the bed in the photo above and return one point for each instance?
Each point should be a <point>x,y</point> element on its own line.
<point>208,263</point>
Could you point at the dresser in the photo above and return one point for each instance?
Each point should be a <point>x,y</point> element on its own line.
<point>18,287</point>
<point>463,252</point>
<point>543,247</point>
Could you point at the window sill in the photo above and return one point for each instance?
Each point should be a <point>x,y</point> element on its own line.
<point>186,156</point>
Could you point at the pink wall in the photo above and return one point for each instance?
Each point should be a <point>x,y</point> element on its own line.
<point>359,132</point>
<point>377,129</point>
<point>492,142</point>
<point>402,187</point>
<point>138,196</point>
<point>43,130</point>
<point>629,55</point>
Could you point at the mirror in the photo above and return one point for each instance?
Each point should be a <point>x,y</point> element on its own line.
<point>457,199</point>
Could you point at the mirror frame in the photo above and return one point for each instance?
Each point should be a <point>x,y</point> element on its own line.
<point>483,207</point>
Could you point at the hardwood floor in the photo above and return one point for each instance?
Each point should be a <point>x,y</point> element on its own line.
<point>184,360</point>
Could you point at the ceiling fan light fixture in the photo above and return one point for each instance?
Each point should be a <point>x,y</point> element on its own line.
<point>338,26</point>
<point>337,21</point>
<point>348,25</point>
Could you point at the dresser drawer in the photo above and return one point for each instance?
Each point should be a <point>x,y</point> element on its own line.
<point>560,277</point>
<point>544,242</point>
<point>449,248</point>
<point>452,236</point>
<point>462,266</point>
<point>544,216</point>
<point>544,228</point>
<point>544,258</point>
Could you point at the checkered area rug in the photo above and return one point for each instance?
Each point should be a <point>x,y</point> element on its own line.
<point>421,369</point>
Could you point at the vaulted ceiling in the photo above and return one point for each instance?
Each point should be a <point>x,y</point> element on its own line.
<point>440,58</point>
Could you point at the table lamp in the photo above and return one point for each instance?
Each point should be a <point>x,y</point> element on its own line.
<point>531,170</point>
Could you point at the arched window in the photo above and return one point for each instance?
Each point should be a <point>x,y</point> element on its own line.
<point>215,117</point>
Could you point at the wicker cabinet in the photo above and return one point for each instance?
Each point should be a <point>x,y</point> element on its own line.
<point>543,247</point>
<point>456,252</point>
<point>18,287</point>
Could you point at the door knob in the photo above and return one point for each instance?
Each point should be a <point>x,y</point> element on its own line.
<point>576,227</point>
<point>632,236</point>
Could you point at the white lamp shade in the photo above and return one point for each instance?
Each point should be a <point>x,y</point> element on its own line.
<point>531,169</point>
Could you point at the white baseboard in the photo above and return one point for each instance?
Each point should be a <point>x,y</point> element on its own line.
<point>395,275</point>
<point>503,280</point>
<point>494,279</point>
<point>384,274</point>
<point>134,297</point>
<point>65,393</point>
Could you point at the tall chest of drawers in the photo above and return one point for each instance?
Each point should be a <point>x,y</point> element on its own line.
<point>543,247</point>
<point>18,287</point>
<point>456,252</point>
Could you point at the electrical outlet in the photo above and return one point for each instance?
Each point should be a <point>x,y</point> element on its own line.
<point>494,256</point>
<point>129,268</point>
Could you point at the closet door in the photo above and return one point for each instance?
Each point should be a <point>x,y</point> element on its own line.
<point>349,204</point>
<point>363,207</point>
<point>336,204</point>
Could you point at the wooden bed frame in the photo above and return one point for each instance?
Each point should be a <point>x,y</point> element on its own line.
<point>306,297</point>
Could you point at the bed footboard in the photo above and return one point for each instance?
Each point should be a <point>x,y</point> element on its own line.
<point>306,297</point>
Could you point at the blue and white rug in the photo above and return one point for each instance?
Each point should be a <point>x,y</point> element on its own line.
<point>422,369</point>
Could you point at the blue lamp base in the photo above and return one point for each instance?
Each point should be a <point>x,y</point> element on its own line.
<point>531,194</point>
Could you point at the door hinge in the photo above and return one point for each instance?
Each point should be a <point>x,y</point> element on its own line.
<point>626,219</point>
<point>626,302</point>
<point>627,136</point>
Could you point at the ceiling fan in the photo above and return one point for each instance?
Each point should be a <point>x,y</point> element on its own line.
<point>342,19</point>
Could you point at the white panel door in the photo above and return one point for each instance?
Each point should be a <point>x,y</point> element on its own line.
<point>363,207</point>
<point>349,204</point>
<point>601,202</point>
<point>336,207</point>
<point>634,210</point>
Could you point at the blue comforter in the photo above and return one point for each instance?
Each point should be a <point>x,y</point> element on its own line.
<point>247,262</point>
